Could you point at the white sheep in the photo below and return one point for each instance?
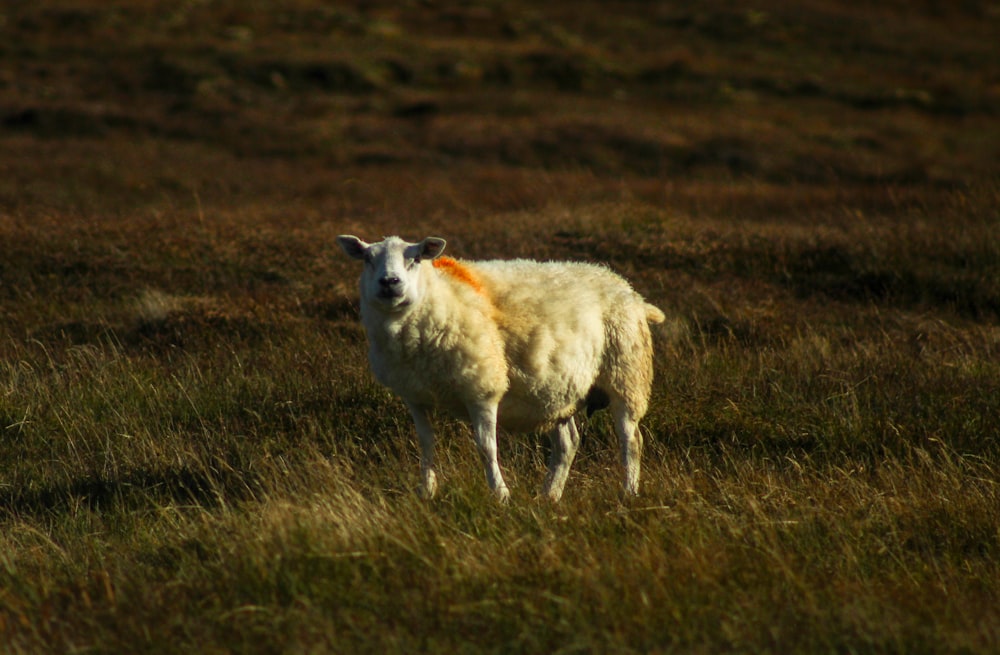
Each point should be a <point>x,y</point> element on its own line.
<point>520,344</point>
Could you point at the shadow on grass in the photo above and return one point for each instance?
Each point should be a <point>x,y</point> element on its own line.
<point>959,281</point>
<point>141,488</point>
<point>176,330</point>
<point>838,273</point>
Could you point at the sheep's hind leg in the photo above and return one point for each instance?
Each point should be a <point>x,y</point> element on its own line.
<point>630,442</point>
<point>425,433</point>
<point>484,427</point>
<point>565,441</point>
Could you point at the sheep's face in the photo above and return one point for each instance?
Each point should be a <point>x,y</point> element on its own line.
<point>391,279</point>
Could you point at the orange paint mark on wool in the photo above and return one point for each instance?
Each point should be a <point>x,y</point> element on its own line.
<point>458,271</point>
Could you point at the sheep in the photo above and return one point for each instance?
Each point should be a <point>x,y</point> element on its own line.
<point>519,344</point>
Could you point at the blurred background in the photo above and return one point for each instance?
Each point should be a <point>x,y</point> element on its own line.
<point>424,109</point>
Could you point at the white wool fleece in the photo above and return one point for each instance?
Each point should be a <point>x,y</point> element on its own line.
<point>519,343</point>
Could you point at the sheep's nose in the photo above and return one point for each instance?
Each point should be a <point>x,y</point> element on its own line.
<point>389,281</point>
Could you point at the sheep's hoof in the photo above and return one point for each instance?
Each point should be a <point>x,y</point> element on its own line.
<point>552,496</point>
<point>429,486</point>
<point>628,496</point>
<point>503,495</point>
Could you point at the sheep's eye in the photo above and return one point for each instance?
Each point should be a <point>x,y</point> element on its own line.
<point>414,262</point>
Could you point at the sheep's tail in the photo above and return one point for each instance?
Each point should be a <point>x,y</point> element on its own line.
<point>654,315</point>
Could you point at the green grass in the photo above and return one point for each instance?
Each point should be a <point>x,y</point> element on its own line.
<point>194,456</point>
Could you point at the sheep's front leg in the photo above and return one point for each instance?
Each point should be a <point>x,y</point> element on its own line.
<point>565,441</point>
<point>425,433</point>
<point>484,427</point>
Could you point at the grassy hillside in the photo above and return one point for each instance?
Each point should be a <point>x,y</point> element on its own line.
<point>193,455</point>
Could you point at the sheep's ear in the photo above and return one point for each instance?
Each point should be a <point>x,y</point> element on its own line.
<point>353,246</point>
<point>431,247</point>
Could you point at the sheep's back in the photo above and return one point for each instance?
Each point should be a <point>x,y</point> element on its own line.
<point>554,319</point>
<point>552,290</point>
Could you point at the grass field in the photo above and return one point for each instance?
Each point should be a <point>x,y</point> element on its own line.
<point>194,456</point>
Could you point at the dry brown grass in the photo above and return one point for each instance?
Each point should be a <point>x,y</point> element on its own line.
<point>195,456</point>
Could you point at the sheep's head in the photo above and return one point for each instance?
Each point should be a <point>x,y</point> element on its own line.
<point>391,279</point>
